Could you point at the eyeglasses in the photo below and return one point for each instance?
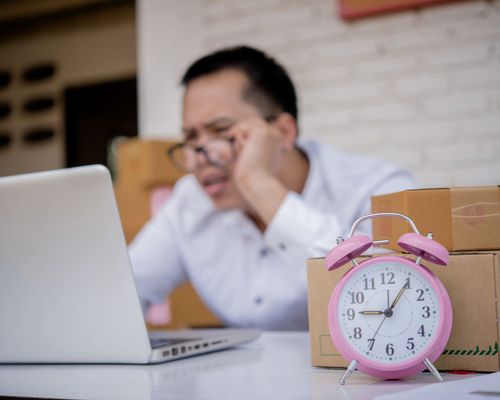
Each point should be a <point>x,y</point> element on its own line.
<point>218,151</point>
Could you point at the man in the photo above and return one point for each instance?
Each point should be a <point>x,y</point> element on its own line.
<point>257,203</point>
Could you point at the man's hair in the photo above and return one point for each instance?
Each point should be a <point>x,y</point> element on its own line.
<point>271,90</point>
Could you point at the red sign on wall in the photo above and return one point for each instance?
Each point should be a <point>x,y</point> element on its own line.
<point>353,9</point>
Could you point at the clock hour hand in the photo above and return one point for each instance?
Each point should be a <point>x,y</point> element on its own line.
<point>371,312</point>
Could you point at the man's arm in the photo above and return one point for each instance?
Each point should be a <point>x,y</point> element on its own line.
<point>268,164</point>
<point>312,233</point>
<point>156,261</point>
<point>270,176</point>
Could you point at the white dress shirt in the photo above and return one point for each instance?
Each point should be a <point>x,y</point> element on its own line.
<point>246,277</point>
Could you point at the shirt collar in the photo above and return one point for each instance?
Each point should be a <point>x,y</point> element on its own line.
<point>314,181</point>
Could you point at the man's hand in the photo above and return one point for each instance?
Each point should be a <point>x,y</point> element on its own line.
<point>260,148</point>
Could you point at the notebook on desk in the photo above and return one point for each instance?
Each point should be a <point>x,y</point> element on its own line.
<point>67,293</point>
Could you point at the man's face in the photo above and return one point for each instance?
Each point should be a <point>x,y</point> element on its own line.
<point>212,105</point>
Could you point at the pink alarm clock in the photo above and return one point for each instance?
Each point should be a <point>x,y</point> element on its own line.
<point>389,316</point>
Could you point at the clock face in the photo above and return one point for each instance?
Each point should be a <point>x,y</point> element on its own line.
<point>388,312</point>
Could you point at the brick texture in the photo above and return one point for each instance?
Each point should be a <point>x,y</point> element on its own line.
<point>419,88</point>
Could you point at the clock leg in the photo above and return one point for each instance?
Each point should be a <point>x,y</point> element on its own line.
<point>433,370</point>
<point>350,369</point>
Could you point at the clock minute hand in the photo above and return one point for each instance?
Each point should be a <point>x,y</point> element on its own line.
<point>380,326</point>
<point>383,320</point>
<point>397,297</point>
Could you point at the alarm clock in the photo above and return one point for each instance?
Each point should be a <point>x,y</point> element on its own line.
<point>389,316</point>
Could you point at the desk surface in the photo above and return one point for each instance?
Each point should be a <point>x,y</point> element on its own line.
<point>277,366</point>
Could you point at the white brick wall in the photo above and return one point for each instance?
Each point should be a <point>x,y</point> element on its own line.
<point>420,88</point>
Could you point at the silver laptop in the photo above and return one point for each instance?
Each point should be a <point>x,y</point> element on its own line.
<point>67,293</point>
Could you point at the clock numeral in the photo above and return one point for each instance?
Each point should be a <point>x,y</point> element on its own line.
<point>420,295</point>
<point>357,297</point>
<point>387,278</point>
<point>357,333</point>
<point>421,331</point>
<point>351,314</point>
<point>409,344</point>
<point>389,349</point>
<point>407,283</point>
<point>371,342</point>
<point>427,312</point>
<point>369,283</point>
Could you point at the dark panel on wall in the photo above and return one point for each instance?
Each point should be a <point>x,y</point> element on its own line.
<point>5,78</point>
<point>39,72</point>
<point>5,140</point>
<point>95,115</point>
<point>5,110</point>
<point>38,135</point>
<point>39,104</point>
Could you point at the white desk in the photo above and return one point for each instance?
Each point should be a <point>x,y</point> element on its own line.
<point>277,366</point>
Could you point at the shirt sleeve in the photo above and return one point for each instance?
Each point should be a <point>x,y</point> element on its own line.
<point>156,260</point>
<point>305,232</point>
<point>299,228</point>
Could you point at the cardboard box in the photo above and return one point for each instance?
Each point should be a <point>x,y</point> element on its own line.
<point>459,218</point>
<point>145,163</point>
<point>473,284</point>
<point>189,311</point>
<point>134,206</point>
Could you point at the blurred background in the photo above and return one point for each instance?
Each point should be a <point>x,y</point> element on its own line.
<point>419,87</point>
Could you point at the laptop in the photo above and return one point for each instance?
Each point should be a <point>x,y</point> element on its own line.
<point>67,292</point>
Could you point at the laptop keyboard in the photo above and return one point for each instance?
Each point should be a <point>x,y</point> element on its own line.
<point>162,342</point>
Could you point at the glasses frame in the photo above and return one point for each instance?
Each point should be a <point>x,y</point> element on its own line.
<point>201,149</point>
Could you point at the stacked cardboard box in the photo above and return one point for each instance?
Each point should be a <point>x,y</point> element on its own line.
<point>143,166</point>
<point>467,222</point>
<point>143,170</point>
<point>459,218</point>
